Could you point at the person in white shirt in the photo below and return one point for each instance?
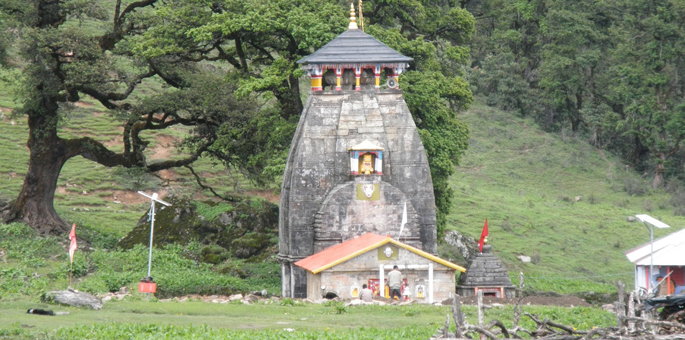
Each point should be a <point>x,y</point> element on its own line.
<point>395,282</point>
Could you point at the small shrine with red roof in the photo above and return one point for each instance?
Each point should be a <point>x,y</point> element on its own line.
<point>343,269</point>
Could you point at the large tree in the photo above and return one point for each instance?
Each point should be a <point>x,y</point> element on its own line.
<point>649,64</point>
<point>252,44</point>
<point>572,72</point>
<point>64,61</point>
<point>262,39</point>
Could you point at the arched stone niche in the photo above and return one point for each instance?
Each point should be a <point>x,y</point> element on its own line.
<point>346,213</point>
<point>366,158</point>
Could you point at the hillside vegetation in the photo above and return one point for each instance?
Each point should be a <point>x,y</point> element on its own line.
<point>524,181</point>
<point>556,199</point>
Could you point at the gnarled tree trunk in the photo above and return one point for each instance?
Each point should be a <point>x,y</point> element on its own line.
<point>34,204</point>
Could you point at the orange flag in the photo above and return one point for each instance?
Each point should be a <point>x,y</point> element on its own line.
<point>483,235</point>
<point>72,247</point>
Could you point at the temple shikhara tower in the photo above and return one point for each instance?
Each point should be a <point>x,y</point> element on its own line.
<point>356,160</point>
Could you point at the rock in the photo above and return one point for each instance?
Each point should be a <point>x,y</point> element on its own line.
<point>524,259</point>
<point>631,219</point>
<point>250,245</point>
<point>73,298</point>
<point>354,302</point>
<point>608,307</point>
<point>183,299</point>
<point>235,297</point>
<point>578,198</point>
<point>247,229</point>
<point>467,246</point>
<point>252,298</point>
<point>262,293</point>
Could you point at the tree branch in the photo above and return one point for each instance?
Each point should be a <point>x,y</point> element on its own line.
<point>203,186</point>
<point>132,7</point>
<point>107,98</point>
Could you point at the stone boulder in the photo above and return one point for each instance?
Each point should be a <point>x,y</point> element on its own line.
<point>246,229</point>
<point>73,298</point>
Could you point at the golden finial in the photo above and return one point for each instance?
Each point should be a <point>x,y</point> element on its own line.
<point>353,20</point>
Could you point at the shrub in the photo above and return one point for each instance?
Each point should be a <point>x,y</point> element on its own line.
<point>635,187</point>
<point>210,211</point>
<point>535,258</point>
<point>287,302</point>
<point>339,308</point>
<point>648,205</point>
<point>592,199</point>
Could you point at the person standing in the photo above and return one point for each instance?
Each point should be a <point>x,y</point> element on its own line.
<point>664,286</point>
<point>366,294</point>
<point>395,282</point>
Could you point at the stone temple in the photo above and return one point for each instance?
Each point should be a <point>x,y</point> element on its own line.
<point>486,272</point>
<point>356,160</point>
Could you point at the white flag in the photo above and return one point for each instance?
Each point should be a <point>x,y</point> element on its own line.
<point>404,220</point>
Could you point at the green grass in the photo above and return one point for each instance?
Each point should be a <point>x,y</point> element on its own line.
<point>267,317</point>
<point>525,182</point>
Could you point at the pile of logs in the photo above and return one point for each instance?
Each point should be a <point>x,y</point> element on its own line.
<point>629,326</point>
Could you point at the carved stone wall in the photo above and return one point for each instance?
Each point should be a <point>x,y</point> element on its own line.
<point>318,195</point>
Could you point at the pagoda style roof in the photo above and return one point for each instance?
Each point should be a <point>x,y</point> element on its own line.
<point>485,270</point>
<point>347,250</point>
<point>355,46</point>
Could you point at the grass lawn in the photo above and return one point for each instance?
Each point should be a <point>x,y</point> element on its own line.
<point>554,198</point>
<point>330,318</point>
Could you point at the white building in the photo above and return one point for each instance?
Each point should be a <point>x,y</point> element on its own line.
<point>342,269</point>
<point>668,256</point>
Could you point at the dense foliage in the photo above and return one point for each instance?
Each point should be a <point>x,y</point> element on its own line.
<point>225,68</point>
<point>610,71</point>
<point>36,265</point>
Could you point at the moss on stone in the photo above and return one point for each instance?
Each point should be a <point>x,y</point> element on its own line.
<point>245,229</point>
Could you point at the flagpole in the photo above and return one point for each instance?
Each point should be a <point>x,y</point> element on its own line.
<point>72,249</point>
<point>404,220</point>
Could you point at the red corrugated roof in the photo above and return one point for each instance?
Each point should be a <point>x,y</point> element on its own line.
<point>343,250</point>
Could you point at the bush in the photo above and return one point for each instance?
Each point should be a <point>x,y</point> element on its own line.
<point>635,187</point>
<point>648,205</point>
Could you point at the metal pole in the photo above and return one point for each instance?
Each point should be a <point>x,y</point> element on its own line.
<point>381,281</point>
<point>651,254</point>
<point>152,231</point>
